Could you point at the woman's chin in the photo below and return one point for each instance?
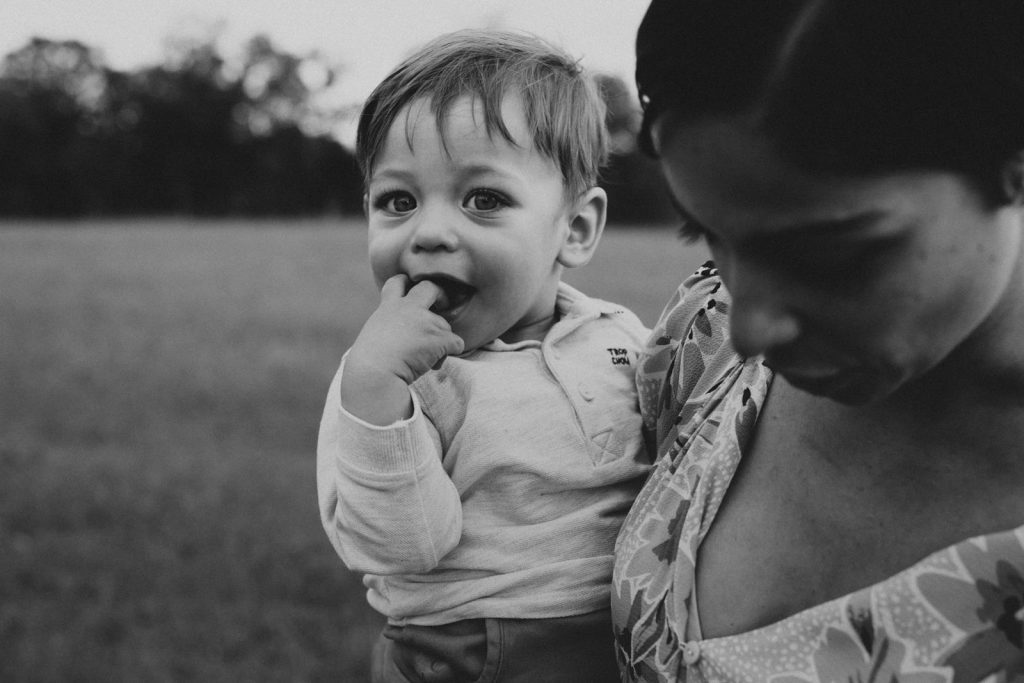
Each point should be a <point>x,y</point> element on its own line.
<point>852,388</point>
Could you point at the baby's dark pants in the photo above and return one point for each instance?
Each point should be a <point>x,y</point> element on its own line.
<point>578,649</point>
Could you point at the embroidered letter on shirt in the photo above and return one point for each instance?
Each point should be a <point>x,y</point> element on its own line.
<point>619,356</point>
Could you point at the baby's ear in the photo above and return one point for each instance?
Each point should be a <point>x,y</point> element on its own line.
<point>586,223</point>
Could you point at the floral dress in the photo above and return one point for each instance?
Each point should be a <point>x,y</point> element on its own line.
<point>955,616</point>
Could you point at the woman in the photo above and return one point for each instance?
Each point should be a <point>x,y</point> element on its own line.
<point>838,491</point>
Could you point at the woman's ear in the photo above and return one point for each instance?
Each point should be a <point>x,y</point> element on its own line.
<point>366,204</point>
<point>1012,178</point>
<point>586,224</point>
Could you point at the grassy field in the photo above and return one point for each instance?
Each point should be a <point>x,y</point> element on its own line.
<point>161,383</point>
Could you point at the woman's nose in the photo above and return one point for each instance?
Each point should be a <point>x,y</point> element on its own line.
<point>760,318</point>
<point>756,328</point>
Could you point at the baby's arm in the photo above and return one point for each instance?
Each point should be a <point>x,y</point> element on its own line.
<point>400,342</point>
<point>385,500</point>
<point>386,503</point>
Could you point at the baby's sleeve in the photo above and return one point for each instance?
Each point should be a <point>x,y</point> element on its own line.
<point>386,503</point>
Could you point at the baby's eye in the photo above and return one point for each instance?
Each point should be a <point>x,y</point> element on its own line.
<point>485,201</point>
<point>396,202</point>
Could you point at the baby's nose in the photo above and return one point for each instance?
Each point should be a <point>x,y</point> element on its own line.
<point>434,235</point>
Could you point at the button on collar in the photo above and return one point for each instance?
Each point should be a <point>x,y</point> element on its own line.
<point>586,391</point>
<point>691,652</point>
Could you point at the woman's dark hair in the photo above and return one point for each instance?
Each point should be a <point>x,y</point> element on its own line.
<point>847,86</point>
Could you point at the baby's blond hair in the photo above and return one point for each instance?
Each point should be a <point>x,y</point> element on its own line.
<point>563,108</point>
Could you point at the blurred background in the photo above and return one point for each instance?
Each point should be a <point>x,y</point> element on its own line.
<point>182,264</point>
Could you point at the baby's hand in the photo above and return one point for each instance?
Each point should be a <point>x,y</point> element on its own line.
<point>403,337</point>
<point>399,343</point>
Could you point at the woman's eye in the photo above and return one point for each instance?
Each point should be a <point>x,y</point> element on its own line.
<point>692,232</point>
<point>485,200</point>
<point>397,202</point>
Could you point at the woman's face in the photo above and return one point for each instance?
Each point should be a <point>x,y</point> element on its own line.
<point>849,286</point>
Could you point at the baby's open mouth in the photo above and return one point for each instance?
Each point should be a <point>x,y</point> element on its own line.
<point>454,293</point>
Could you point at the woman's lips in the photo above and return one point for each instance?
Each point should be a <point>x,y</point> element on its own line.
<point>805,364</point>
<point>808,375</point>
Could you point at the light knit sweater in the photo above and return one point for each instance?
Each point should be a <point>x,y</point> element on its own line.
<point>502,495</point>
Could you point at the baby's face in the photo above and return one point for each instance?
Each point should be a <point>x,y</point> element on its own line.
<point>482,218</point>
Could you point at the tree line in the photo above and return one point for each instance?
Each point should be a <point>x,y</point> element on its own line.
<point>198,135</point>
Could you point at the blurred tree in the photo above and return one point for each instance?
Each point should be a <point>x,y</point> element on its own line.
<point>298,165</point>
<point>184,156</point>
<point>201,135</point>
<point>194,135</point>
<point>49,92</point>
<point>280,87</point>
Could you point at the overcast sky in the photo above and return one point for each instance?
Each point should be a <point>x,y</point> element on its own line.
<point>365,37</point>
